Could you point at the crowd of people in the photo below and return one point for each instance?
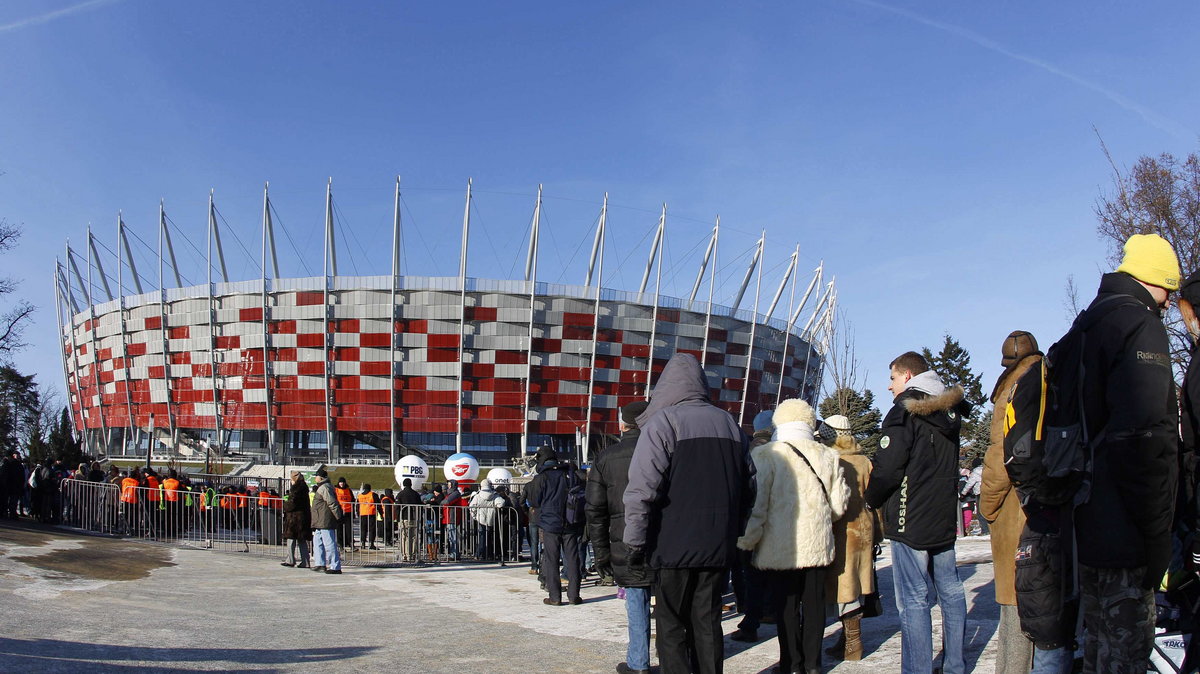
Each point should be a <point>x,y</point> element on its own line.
<point>687,503</point>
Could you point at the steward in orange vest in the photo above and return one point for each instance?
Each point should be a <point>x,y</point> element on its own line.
<point>368,508</point>
<point>345,498</point>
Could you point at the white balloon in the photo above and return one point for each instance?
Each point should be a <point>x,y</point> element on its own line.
<point>499,476</point>
<point>413,468</point>
<point>461,467</point>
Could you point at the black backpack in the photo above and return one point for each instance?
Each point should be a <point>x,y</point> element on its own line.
<point>1047,451</point>
<point>576,498</point>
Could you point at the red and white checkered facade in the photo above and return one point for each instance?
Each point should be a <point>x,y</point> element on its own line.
<point>310,350</point>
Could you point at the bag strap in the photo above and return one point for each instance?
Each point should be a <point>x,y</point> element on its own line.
<point>824,492</point>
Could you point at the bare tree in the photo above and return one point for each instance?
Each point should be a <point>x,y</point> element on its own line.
<point>1071,302</point>
<point>1159,195</point>
<point>842,365</point>
<point>13,321</point>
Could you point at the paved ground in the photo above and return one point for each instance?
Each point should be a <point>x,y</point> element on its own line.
<point>83,603</point>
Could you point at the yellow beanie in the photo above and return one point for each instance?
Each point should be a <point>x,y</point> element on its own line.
<point>1150,259</point>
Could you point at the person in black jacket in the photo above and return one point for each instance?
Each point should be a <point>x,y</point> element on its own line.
<point>690,492</point>
<point>408,501</point>
<point>915,482</point>
<point>548,494</point>
<point>1129,403</point>
<point>606,484</point>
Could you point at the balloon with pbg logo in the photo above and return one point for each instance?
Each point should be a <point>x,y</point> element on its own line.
<point>413,468</point>
<point>461,467</point>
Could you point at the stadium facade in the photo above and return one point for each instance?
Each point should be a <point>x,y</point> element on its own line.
<point>370,368</point>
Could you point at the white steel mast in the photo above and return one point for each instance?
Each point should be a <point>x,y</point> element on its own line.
<point>712,284</point>
<point>329,265</point>
<point>462,317</point>
<point>531,279</point>
<point>587,434</point>
<point>658,246</point>
<point>753,332</point>
<point>392,326</point>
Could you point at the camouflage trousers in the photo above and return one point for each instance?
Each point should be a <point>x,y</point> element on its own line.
<point>1118,616</point>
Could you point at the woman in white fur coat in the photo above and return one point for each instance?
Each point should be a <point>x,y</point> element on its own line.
<point>801,493</point>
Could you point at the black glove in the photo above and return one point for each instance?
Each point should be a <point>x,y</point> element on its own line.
<point>637,555</point>
<point>604,568</point>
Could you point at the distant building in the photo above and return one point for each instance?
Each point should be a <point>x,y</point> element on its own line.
<point>274,368</point>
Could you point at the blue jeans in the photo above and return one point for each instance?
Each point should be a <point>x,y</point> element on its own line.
<point>325,549</point>
<point>1055,661</point>
<point>535,547</point>
<point>637,611</point>
<point>920,577</point>
<point>452,541</point>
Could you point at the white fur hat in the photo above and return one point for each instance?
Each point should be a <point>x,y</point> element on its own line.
<point>792,410</point>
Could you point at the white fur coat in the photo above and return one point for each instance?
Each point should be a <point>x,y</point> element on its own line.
<point>791,526</point>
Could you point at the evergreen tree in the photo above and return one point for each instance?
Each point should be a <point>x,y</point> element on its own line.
<point>953,364</point>
<point>859,408</point>
<point>60,442</point>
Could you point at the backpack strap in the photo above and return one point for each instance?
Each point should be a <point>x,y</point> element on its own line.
<point>824,491</point>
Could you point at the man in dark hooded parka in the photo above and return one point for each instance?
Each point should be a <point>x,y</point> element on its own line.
<point>690,490</point>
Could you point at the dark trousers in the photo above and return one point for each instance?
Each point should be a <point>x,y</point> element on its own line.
<point>568,544</point>
<point>748,587</point>
<point>345,531</point>
<point>799,636</point>
<point>366,530</point>
<point>688,619</point>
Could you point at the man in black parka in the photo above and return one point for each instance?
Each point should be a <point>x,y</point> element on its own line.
<point>606,484</point>
<point>1123,529</point>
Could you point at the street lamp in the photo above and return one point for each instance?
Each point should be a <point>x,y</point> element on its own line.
<point>150,442</point>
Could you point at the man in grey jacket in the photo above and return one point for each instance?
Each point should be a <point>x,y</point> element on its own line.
<point>688,497</point>
<point>326,512</point>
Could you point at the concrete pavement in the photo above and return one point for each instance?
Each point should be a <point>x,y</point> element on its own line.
<point>85,603</point>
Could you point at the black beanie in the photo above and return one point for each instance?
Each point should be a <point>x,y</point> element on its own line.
<point>631,412</point>
<point>1190,290</point>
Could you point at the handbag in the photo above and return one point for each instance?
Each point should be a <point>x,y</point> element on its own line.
<point>872,604</point>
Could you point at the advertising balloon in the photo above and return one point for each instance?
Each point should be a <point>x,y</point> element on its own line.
<point>461,467</point>
<point>499,476</point>
<point>413,468</point>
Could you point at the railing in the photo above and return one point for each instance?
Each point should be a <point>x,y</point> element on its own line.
<point>397,535</point>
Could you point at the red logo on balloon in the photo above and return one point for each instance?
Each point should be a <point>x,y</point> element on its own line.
<point>460,469</point>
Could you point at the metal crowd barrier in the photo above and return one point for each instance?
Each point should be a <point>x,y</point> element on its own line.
<point>397,535</point>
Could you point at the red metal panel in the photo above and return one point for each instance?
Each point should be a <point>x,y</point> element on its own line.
<point>281,327</point>
<point>377,340</point>
<point>250,314</point>
<point>441,355</point>
<point>314,340</point>
<point>375,368</point>
<point>153,322</point>
<point>306,299</point>
<point>179,332</point>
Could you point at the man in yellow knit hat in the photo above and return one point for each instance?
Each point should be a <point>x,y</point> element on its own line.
<point>1131,419</point>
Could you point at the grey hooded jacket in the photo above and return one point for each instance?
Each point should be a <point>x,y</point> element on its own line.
<point>691,475</point>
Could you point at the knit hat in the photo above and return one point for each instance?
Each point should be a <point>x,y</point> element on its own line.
<point>838,423</point>
<point>762,421</point>
<point>1150,259</point>
<point>791,410</point>
<point>485,484</point>
<point>632,411</point>
<point>321,472</point>
<point>1017,345</point>
<point>1190,290</point>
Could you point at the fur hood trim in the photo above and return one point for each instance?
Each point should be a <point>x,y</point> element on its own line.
<point>946,400</point>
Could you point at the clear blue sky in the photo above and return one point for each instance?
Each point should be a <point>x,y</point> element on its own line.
<point>938,156</point>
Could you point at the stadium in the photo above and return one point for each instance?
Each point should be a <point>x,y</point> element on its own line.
<point>366,369</point>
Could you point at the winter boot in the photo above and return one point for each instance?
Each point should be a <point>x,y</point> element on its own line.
<point>852,628</point>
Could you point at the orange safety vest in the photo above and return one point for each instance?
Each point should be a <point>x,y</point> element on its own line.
<point>129,490</point>
<point>345,498</point>
<point>172,487</point>
<point>366,504</point>
<point>241,499</point>
<point>227,501</point>
<point>152,483</point>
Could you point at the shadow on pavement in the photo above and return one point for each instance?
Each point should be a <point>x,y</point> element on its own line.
<point>52,654</point>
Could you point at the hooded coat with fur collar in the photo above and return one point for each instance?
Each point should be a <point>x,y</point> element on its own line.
<point>915,480</point>
<point>791,524</point>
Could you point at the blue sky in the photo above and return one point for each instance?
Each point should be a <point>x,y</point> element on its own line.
<point>939,157</point>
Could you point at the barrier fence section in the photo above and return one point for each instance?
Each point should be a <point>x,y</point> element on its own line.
<point>395,535</point>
